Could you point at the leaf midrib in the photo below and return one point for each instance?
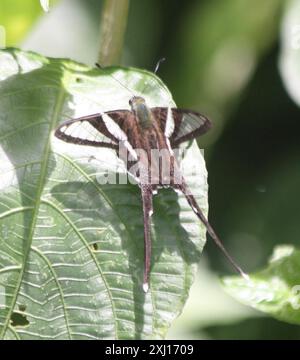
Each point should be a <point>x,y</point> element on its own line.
<point>45,160</point>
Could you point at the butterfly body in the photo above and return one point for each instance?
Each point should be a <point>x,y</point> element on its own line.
<point>145,139</point>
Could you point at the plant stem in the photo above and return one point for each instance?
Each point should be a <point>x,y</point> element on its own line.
<point>112,30</point>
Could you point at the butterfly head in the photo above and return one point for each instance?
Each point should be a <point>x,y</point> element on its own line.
<point>135,102</point>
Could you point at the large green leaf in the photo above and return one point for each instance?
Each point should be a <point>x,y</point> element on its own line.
<point>274,290</point>
<point>71,249</point>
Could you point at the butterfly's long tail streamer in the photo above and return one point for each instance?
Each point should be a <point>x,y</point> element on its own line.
<point>194,205</point>
<point>147,211</point>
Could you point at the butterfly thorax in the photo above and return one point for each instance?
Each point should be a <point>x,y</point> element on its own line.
<point>142,112</point>
<point>156,162</point>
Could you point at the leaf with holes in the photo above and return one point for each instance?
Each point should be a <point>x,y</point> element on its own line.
<point>71,245</point>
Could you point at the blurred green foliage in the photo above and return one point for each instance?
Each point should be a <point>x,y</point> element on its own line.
<point>17,17</point>
<point>220,45</point>
<point>222,59</point>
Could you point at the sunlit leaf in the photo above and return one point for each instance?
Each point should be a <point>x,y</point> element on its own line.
<point>71,249</point>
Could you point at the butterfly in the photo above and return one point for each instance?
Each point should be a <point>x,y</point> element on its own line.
<point>135,135</point>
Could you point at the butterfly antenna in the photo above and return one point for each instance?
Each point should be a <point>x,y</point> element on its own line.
<point>117,80</point>
<point>194,205</point>
<point>157,66</point>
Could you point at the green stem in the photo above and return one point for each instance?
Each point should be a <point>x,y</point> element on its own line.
<point>112,30</point>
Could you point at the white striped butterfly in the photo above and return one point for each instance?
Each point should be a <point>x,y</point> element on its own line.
<point>135,135</point>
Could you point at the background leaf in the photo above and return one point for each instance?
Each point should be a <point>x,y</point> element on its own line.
<point>274,290</point>
<point>17,17</point>
<point>71,249</point>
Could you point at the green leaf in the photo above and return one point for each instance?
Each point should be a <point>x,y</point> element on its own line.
<point>274,290</point>
<point>71,249</point>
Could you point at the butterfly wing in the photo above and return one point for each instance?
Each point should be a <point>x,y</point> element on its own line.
<point>181,125</point>
<point>99,130</point>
